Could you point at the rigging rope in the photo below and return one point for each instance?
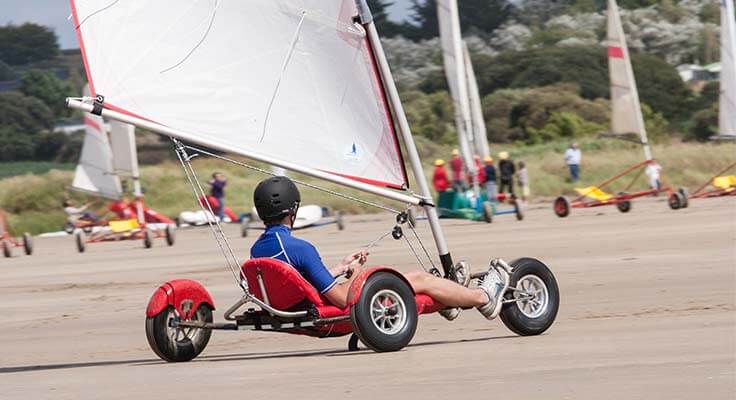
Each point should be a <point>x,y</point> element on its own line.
<point>224,244</point>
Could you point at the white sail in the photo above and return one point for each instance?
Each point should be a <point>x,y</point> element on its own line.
<point>626,116</point>
<point>452,54</point>
<point>124,152</point>
<point>94,173</point>
<point>476,108</point>
<point>727,102</point>
<point>291,80</point>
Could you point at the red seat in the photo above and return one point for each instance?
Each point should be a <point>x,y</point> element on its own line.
<point>286,289</point>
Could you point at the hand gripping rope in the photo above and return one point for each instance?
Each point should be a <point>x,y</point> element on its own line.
<point>232,261</point>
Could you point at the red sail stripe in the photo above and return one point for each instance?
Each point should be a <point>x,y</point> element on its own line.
<point>615,52</point>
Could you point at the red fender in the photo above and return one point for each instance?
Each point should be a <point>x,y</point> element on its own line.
<point>175,293</point>
<point>356,287</point>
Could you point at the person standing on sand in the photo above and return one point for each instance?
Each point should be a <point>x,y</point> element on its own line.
<point>523,177</point>
<point>573,156</point>
<point>490,172</point>
<point>217,190</point>
<point>458,171</point>
<point>653,172</point>
<point>439,178</point>
<point>507,169</point>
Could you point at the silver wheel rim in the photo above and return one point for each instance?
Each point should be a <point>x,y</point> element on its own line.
<point>388,312</point>
<point>532,296</point>
<point>178,334</point>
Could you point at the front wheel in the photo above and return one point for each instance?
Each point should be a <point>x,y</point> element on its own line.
<point>338,221</point>
<point>81,241</point>
<point>624,206</point>
<point>147,239</point>
<point>487,212</point>
<point>28,243</point>
<point>7,252</point>
<point>561,207</point>
<point>177,344</point>
<point>170,235</point>
<point>685,196</point>
<point>385,316</point>
<point>519,211</point>
<point>244,226</point>
<point>532,300</point>
<point>676,200</point>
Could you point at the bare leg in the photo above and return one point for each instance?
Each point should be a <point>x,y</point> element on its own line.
<point>445,291</point>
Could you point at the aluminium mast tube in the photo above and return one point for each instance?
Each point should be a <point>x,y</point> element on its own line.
<point>187,137</point>
<point>411,149</point>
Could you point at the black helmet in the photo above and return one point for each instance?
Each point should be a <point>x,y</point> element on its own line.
<point>275,197</point>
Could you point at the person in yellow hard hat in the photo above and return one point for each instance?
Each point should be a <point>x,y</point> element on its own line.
<point>439,178</point>
<point>491,179</point>
<point>458,171</point>
<point>507,171</point>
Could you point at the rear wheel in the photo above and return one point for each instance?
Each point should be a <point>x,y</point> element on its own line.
<point>28,243</point>
<point>7,249</point>
<point>69,228</point>
<point>170,235</point>
<point>561,206</point>
<point>487,211</point>
<point>519,211</point>
<point>244,226</point>
<point>147,239</point>
<point>532,300</point>
<point>177,344</point>
<point>338,221</point>
<point>675,200</point>
<point>625,205</point>
<point>685,196</point>
<point>81,241</point>
<point>385,316</point>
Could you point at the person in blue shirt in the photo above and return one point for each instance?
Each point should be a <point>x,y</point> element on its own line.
<point>217,190</point>
<point>277,200</point>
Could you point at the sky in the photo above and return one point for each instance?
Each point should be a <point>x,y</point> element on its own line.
<point>55,14</point>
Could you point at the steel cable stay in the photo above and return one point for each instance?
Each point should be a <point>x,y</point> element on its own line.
<point>224,244</point>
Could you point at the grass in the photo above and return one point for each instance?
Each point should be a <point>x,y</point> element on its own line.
<point>8,169</point>
<point>33,199</point>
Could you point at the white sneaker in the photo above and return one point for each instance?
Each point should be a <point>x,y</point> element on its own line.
<point>494,284</point>
<point>450,313</point>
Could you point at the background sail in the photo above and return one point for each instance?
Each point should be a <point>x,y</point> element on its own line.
<point>727,102</point>
<point>124,152</point>
<point>626,116</point>
<point>452,54</point>
<point>293,80</point>
<point>94,173</point>
<point>476,109</point>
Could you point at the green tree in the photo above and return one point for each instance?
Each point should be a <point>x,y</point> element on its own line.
<point>24,114</point>
<point>661,87</point>
<point>386,27</point>
<point>6,72</point>
<point>15,146</point>
<point>705,124</point>
<point>482,16</point>
<point>27,43</point>
<point>431,115</point>
<point>46,87</point>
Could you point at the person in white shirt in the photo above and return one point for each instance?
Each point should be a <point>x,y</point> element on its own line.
<point>653,171</point>
<point>573,155</point>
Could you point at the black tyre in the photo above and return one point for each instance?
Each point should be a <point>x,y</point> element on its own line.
<point>519,211</point>
<point>69,228</point>
<point>385,316</point>
<point>244,226</point>
<point>487,212</point>
<point>338,221</point>
<point>28,243</point>
<point>561,206</point>
<point>147,239</point>
<point>624,206</point>
<point>685,196</point>
<point>7,249</point>
<point>531,316</point>
<point>178,344</point>
<point>170,232</point>
<point>81,241</point>
<point>88,228</point>
<point>675,201</point>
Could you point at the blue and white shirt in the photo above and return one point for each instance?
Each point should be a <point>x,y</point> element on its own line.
<point>277,242</point>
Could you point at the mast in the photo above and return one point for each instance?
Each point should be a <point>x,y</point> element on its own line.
<point>626,116</point>
<point>476,109</point>
<point>727,100</point>
<point>452,50</point>
<point>411,149</point>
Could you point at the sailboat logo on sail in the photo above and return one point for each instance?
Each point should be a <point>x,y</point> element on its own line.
<point>352,153</point>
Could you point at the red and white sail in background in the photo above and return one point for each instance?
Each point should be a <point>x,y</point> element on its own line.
<point>95,173</point>
<point>293,80</point>
<point>626,115</point>
<point>727,102</point>
<point>457,79</point>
